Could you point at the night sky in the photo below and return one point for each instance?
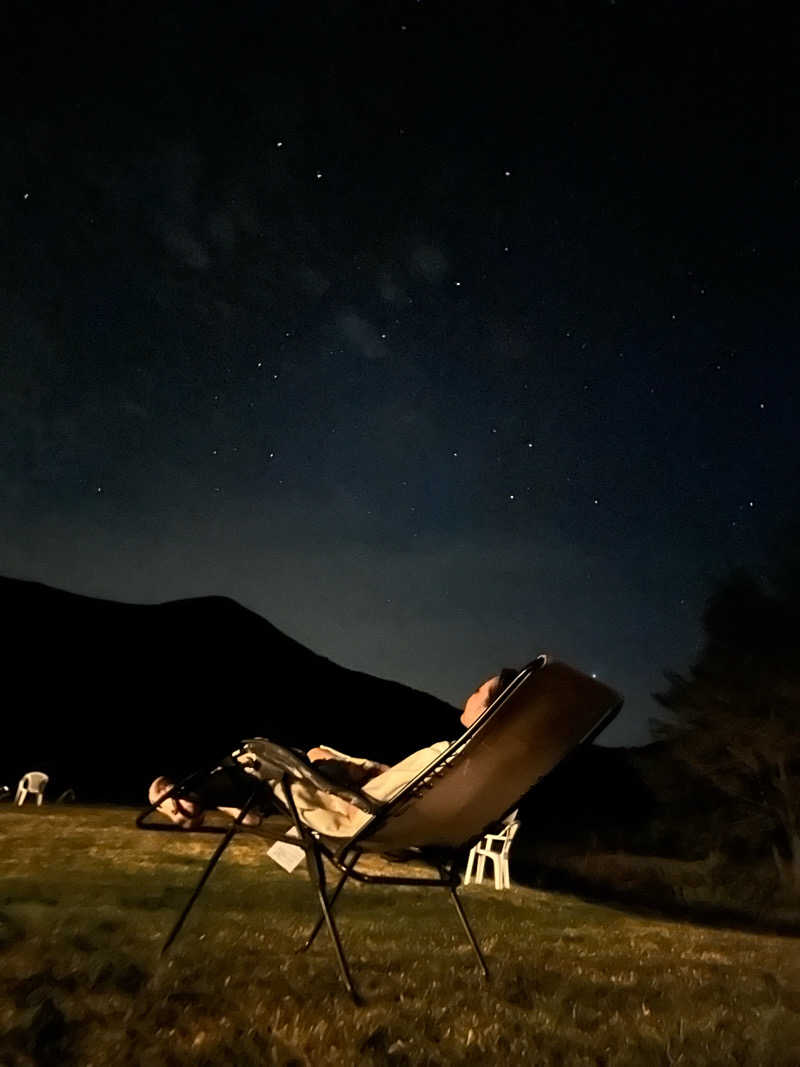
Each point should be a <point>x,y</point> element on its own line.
<point>437,334</point>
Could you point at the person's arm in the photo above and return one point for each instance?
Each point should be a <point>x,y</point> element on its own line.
<point>349,770</point>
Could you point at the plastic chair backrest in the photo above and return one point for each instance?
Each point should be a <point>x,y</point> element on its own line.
<point>35,781</point>
<point>509,833</point>
<point>529,728</point>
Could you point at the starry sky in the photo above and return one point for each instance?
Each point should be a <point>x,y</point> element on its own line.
<point>438,334</point>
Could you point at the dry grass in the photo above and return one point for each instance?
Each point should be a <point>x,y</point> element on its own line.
<point>86,900</point>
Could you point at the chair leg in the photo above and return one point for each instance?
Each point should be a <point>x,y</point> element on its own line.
<point>498,872</point>
<point>226,840</point>
<point>317,874</point>
<point>349,863</point>
<point>468,874</point>
<point>468,929</point>
<point>479,872</point>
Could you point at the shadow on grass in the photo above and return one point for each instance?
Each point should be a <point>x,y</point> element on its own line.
<point>170,898</point>
<point>25,892</point>
<point>657,901</point>
<point>11,931</point>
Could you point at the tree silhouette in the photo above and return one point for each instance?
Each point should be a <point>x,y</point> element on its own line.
<point>736,717</point>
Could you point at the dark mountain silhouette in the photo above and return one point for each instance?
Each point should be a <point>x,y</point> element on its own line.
<point>103,695</point>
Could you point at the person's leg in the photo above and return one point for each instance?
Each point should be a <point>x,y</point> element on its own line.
<point>223,790</point>
<point>228,793</point>
<point>185,811</point>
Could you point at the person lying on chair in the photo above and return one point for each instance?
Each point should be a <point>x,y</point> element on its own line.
<point>323,812</point>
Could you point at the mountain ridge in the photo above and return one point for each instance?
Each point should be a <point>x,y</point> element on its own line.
<point>118,693</point>
<point>161,688</point>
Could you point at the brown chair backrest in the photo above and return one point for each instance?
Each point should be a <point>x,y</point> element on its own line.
<point>532,725</point>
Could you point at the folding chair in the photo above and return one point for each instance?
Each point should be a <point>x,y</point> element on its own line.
<point>540,717</point>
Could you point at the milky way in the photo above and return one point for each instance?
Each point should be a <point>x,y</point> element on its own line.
<point>439,338</point>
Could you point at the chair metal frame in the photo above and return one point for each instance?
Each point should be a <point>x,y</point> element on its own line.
<point>345,853</point>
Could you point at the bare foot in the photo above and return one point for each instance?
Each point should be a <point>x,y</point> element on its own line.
<point>187,813</point>
<point>182,811</point>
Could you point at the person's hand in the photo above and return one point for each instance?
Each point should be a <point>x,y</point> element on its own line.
<point>344,771</point>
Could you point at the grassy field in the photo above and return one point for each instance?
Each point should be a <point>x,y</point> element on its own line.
<point>86,900</point>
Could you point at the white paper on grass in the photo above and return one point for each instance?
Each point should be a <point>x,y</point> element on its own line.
<point>286,855</point>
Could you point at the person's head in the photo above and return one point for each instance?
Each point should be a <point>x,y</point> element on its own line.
<point>479,701</point>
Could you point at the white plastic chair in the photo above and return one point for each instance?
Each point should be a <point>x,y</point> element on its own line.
<point>493,847</point>
<point>34,783</point>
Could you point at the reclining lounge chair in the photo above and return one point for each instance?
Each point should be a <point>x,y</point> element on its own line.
<point>538,719</point>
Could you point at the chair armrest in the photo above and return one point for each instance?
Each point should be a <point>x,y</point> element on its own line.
<point>275,762</point>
